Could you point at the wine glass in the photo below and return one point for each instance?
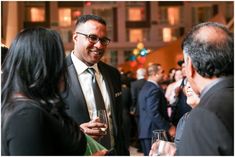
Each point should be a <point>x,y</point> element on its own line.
<point>158,135</point>
<point>103,119</point>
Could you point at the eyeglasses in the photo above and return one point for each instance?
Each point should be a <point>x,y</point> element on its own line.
<point>94,39</point>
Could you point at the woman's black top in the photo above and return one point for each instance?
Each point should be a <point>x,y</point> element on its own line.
<point>31,130</point>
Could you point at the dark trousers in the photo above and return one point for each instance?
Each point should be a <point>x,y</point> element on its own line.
<point>146,145</point>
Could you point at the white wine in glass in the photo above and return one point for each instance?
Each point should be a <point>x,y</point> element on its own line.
<point>103,119</point>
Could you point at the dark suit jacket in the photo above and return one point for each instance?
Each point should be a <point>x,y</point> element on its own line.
<point>29,129</point>
<point>151,100</point>
<point>77,107</point>
<point>135,89</point>
<point>209,129</point>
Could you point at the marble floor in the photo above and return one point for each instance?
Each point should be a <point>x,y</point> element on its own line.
<point>134,152</point>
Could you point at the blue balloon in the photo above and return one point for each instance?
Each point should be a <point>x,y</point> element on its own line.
<point>143,52</point>
<point>132,58</point>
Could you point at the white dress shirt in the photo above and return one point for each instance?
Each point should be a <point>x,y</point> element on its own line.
<point>85,81</point>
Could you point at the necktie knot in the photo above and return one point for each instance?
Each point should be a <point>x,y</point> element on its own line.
<point>91,71</point>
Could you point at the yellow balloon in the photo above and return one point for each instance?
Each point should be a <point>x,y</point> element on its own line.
<point>140,46</point>
<point>135,51</point>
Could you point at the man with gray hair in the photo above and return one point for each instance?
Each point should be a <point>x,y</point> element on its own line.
<point>140,73</point>
<point>209,61</point>
<point>135,89</point>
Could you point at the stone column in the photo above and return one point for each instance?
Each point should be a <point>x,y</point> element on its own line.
<point>11,22</point>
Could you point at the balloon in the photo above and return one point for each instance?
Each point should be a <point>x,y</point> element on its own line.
<point>140,46</point>
<point>140,66</point>
<point>141,60</point>
<point>143,52</point>
<point>135,52</point>
<point>132,58</point>
<point>133,64</point>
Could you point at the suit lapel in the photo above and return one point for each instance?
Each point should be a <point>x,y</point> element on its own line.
<point>108,82</point>
<point>75,87</point>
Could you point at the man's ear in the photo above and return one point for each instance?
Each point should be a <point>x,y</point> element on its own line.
<point>189,67</point>
<point>75,35</point>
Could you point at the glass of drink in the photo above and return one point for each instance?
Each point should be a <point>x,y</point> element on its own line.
<point>158,146</point>
<point>103,119</point>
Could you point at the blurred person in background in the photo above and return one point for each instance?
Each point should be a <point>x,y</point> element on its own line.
<point>171,87</point>
<point>126,102</point>
<point>170,147</point>
<point>171,75</point>
<point>134,111</point>
<point>135,88</point>
<point>177,98</point>
<point>152,108</point>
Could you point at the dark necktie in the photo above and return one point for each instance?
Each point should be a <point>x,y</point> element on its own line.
<point>99,101</point>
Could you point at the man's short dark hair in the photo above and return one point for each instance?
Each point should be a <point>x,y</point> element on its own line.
<point>153,69</point>
<point>85,18</point>
<point>212,54</point>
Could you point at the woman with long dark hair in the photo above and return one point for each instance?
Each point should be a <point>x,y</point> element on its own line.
<point>33,118</point>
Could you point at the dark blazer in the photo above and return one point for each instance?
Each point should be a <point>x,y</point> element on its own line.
<point>77,107</point>
<point>209,129</point>
<point>29,129</point>
<point>135,89</point>
<point>151,101</point>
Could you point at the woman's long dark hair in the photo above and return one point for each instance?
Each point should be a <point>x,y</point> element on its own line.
<point>34,67</point>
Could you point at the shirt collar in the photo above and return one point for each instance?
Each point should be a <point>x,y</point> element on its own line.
<point>80,66</point>
<point>209,86</point>
<point>154,82</point>
<point>95,66</point>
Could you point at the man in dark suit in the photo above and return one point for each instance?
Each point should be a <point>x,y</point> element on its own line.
<point>90,43</point>
<point>135,89</point>
<point>152,108</point>
<point>209,61</point>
